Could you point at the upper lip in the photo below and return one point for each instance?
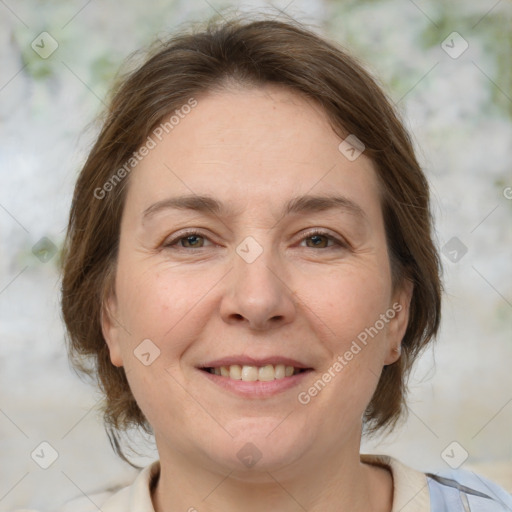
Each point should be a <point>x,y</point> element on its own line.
<point>244,360</point>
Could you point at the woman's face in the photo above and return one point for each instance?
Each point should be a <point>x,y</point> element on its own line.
<point>253,290</point>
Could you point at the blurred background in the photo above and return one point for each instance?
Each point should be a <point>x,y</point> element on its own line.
<point>446,65</point>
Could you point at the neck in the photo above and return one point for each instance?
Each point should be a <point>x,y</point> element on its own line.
<point>340,482</point>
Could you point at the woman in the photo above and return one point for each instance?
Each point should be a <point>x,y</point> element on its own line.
<point>249,266</point>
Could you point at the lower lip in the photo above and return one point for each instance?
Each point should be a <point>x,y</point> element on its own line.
<point>256,389</point>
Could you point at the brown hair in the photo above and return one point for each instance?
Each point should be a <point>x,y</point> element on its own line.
<point>249,52</point>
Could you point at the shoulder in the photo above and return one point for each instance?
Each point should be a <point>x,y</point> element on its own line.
<point>468,490</point>
<point>133,498</point>
<point>444,491</point>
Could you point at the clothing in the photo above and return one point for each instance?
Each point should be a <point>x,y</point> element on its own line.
<point>413,491</point>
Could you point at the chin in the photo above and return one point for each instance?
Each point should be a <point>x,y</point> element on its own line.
<point>261,445</point>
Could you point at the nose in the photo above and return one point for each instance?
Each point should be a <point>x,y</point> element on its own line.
<point>257,293</point>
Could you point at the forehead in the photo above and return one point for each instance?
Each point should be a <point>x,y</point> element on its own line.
<point>265,122</point>
<point>256,146</point>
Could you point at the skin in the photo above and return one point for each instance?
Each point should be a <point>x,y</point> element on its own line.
<point>304,298</point>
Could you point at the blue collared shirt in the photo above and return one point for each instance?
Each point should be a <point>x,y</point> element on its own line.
<point>464,491</point>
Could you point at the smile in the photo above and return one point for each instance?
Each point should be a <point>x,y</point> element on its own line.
<point>255,377</point>
<point>250,373</point>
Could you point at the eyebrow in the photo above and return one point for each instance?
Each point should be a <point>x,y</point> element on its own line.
<point>297,205</point>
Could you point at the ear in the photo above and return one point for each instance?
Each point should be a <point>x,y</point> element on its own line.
<point>397,326</point>
<point>111,328</point>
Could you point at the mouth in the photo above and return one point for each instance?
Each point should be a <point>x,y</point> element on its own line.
<point>255,378</point>
<point>252,373</point>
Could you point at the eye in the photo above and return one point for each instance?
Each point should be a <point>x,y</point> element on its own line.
<point>187,240</point>
<point>316,237</point>
<point>195,240</point>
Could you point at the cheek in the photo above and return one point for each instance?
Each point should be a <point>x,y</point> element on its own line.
<point>347,300</point>
<point>163,303</point>
<point>347,309</point>
<point>164,306</point>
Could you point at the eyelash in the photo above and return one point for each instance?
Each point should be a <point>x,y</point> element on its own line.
<point>315,232</point>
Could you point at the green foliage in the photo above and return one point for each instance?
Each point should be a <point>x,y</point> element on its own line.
<point>36,67</point>
<point>103,69</point>
<point>493,34</point>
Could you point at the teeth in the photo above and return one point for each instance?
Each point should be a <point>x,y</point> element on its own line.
<point>266,373</point>
<point>249,373</point>
<point>234,371</point>
<point>280,371</point>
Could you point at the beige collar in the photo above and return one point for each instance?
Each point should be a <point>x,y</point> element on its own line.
<point>410,488</point>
